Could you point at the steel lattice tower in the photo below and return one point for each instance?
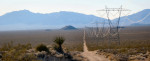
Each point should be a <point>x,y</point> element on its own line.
<point>114,28</point>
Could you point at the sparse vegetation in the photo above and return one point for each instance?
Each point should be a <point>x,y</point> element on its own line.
<point>145,44</point>
<point>12,52</point>
<point>126,51</point>
<point>73,38</point>
<point>134,43</point>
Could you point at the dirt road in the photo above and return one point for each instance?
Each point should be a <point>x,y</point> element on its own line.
<point>91,55</point>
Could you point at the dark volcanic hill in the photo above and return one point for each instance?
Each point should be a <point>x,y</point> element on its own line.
<point>69,27</point>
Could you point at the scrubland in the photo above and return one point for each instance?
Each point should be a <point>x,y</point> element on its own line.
<point>134,43</point>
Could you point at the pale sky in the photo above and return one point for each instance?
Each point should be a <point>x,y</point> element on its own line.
<point>81,6</point>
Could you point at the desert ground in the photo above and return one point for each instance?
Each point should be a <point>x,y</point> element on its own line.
<point>73,37</point>
<point>76,40</point>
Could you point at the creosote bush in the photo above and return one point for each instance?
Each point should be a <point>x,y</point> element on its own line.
<point>42,47</point>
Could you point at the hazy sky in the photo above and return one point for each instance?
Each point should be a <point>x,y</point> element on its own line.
<point>81,6</point>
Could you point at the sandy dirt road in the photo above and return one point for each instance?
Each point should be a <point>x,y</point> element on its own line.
<point>91,55</point>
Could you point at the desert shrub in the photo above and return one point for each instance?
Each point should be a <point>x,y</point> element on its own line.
<point>42,47</point>
<point>59,41</point>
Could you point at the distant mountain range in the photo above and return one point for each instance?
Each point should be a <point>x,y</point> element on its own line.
<point>25,19</point>
<point>138,24</point>
<point>141,18</point>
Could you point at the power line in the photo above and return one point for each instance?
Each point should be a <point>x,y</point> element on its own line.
<point>108,29</point>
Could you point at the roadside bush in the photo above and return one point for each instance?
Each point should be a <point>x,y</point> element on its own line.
<point>42,47</point>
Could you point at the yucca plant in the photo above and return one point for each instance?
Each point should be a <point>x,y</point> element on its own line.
<point>59,41</point>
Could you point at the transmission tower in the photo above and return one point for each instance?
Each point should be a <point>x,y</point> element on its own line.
<point>114,27</point>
